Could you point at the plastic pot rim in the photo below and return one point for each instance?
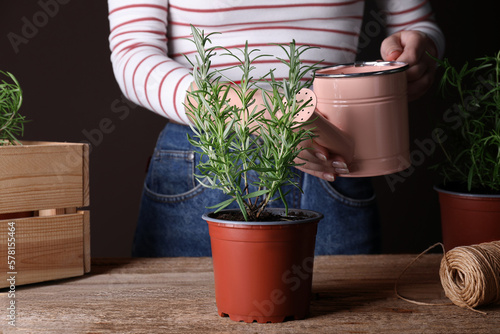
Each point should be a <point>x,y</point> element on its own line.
<point>440,189</point>
<point>314,216</point>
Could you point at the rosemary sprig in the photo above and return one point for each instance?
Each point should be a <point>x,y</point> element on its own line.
<point>472,146</point>
<point>236,139</point>
<point>11,98</point>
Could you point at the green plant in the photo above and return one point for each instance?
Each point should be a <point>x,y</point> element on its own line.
<point>472,126</point>
<point>11,98</point>
<point>236,138</point>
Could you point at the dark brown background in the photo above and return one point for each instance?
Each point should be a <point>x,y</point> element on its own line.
<point>60,55</point>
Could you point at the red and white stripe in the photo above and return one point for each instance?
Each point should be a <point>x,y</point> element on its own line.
<point>148,38</point>
<point>412,15</point>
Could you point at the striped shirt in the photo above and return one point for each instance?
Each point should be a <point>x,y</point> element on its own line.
<point>148,38</point>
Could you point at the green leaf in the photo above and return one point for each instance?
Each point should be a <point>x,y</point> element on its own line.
<point>255,194</point>
<point>222,205</point>
<point>241,204</point>
<point>11,98</point>
<point>226,134</point>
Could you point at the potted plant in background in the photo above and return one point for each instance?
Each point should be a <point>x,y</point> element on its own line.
<point>11,99</point>
<point>470,140</point>
<point>262,258</point>
<point>11,121</point>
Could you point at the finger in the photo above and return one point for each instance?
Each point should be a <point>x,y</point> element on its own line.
<point>339,164</point>
<point>416,72</point>
<point>330,177</point>
<point>412,45</point>
<point>314,151</point>
<point>418,88</point>
<point>310,162</point>
<point>391,47</point>
<point>420,79</point>
<point>319,151</point>
<point>323,158</point>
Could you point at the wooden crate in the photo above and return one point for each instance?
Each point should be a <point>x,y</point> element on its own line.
<point>42,187</point>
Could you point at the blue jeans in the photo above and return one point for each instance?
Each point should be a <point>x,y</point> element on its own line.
<point>173,202</point>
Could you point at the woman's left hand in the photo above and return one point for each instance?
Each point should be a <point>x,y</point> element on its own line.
<point>411,46</point>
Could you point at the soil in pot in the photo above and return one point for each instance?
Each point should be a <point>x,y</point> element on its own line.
<point>266,216</point>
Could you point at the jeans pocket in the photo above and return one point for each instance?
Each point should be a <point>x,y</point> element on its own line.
<point>171,176</point>
<point>355,192</point>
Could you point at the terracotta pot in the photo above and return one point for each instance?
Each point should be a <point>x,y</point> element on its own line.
<point>367,102</point>
<point>263,271</point>
<point>468,219</point>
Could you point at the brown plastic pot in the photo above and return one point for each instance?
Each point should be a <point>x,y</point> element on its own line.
<point>263,271</point>
<point>468,219</point>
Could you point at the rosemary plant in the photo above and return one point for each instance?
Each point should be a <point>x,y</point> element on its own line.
<point>11,98</point>
<point>472,145</point>
<point>240,139</point>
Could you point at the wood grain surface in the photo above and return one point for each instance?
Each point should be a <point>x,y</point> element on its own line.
<point>46,248</point>
<point>43,175</point>
<point>352,294</point>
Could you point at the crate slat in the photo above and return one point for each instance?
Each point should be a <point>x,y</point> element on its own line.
<point>43,175</point>
<point>42,185</point>
<point>86,242</point>
<point>46,248</point>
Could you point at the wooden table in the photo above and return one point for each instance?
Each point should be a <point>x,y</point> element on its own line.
<point>352,294</point>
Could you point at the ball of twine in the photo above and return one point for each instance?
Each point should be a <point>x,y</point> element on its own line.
<point>470,275</point>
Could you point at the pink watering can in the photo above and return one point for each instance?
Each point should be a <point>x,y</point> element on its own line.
<point>364,108</point>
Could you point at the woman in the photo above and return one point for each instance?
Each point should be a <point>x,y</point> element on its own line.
<point>148,44</point>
